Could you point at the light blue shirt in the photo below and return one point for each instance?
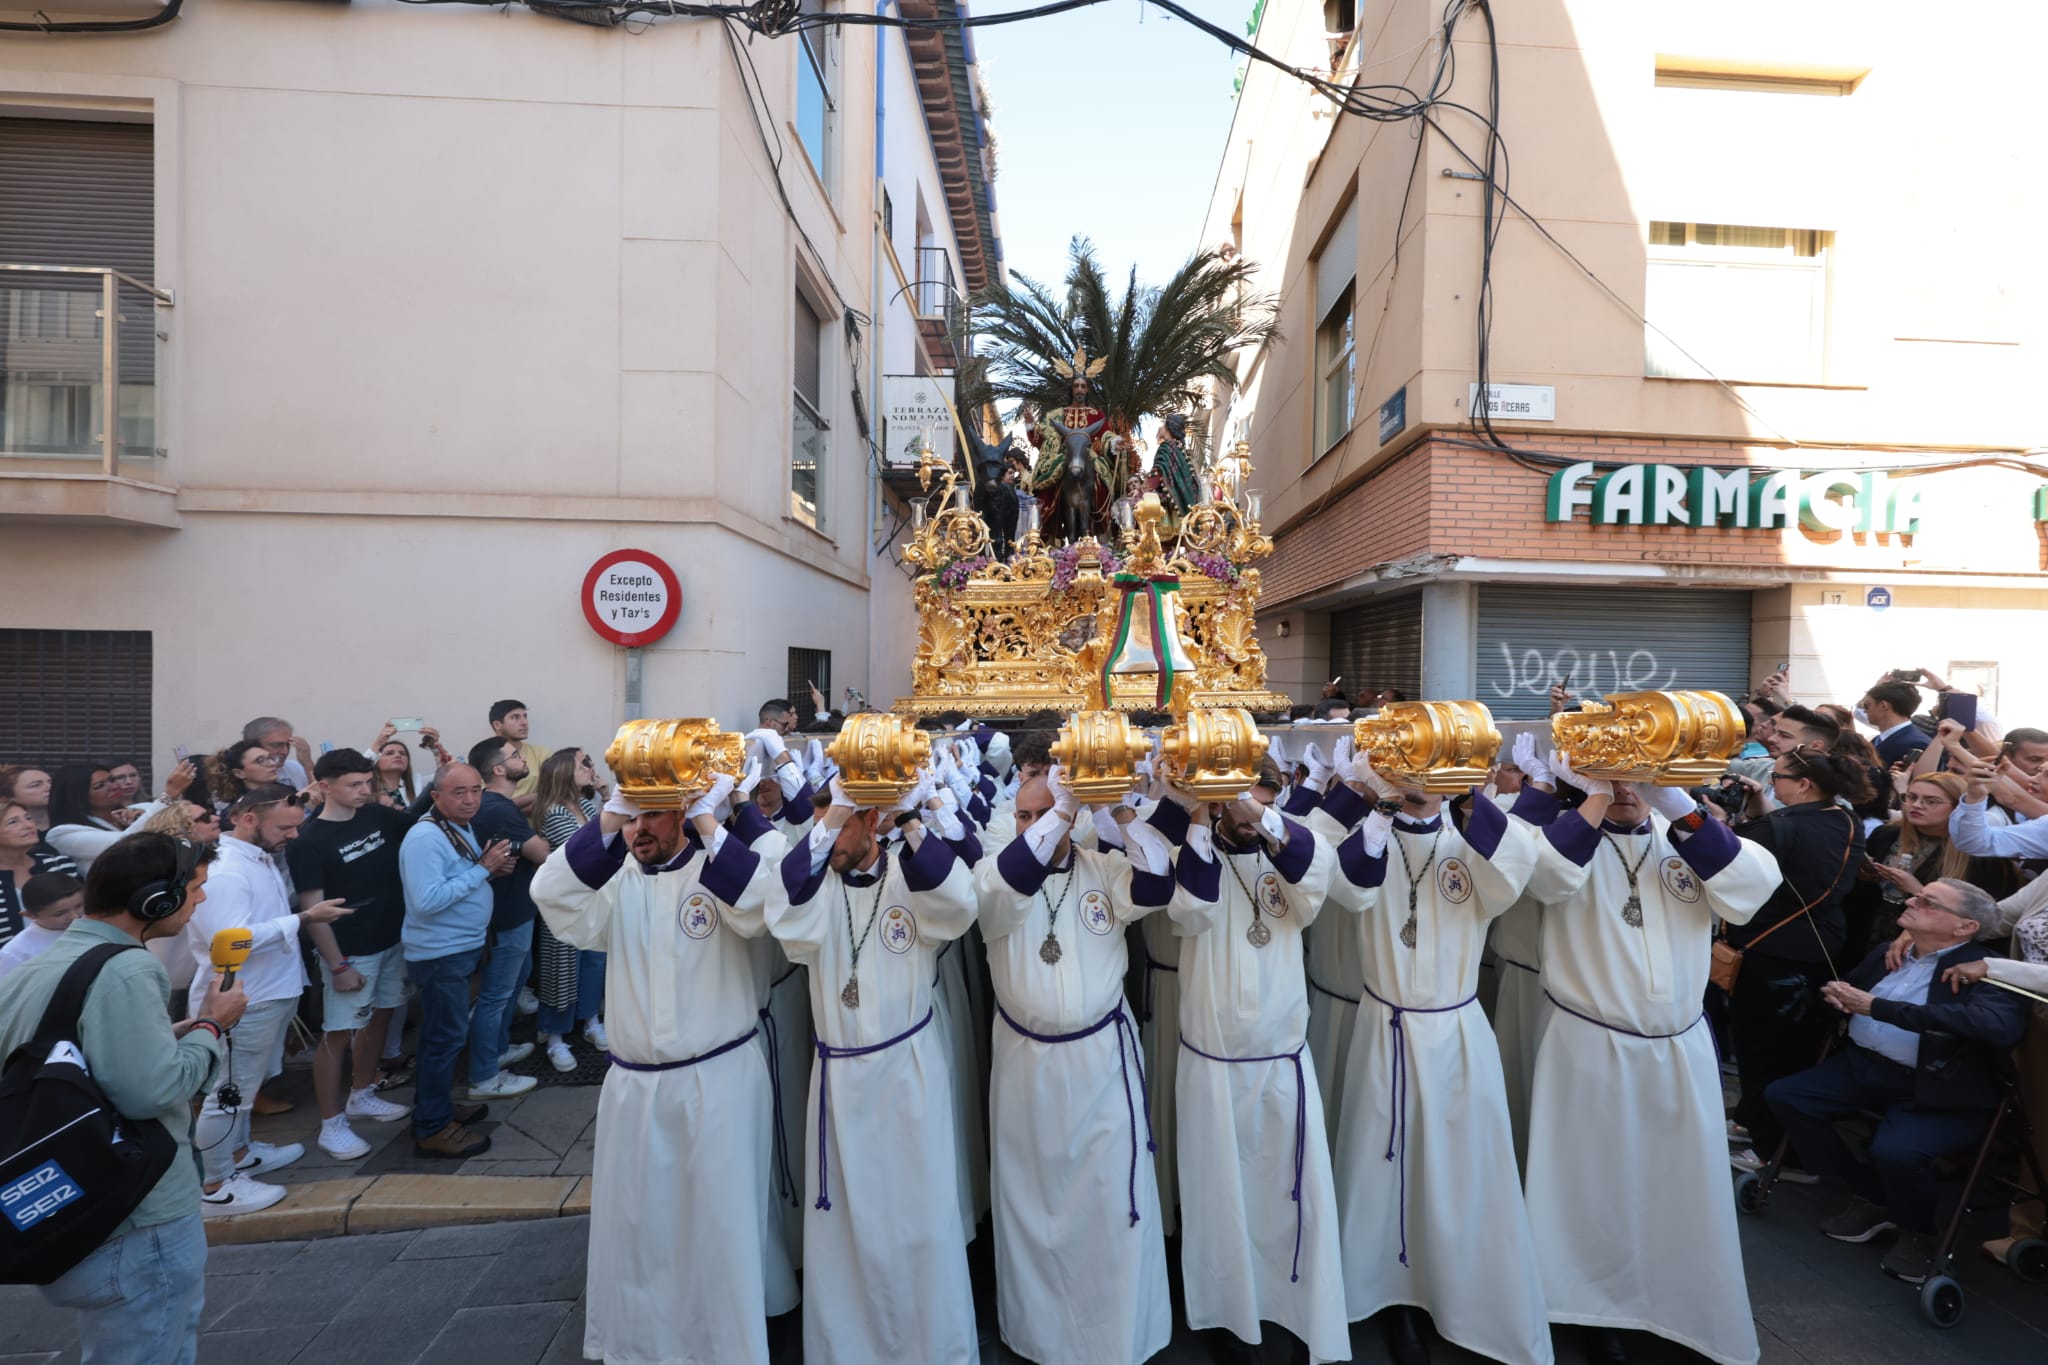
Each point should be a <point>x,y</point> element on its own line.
<point>447,896</point>
<point>1975,835</point>
<point>1908,985</point>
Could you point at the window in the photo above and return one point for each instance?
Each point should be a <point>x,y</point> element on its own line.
<point>1336,378</point>
<point>75,696</point>
<point>1340,21</point>
<point>1337,355</point>
<point>817,83</point>
<point>809,431</point>
<point>808,666</point>
<point>1746,303</point>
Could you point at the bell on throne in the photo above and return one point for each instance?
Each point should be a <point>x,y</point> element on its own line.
<point>1140,652</point>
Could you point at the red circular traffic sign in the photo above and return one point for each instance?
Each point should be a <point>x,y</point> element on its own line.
<point>631,597</point>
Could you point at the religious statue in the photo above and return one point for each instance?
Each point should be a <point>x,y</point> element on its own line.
<point>1074,477</point>
<point>1173,475</point>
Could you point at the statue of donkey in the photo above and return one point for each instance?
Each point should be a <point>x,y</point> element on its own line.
<point>1077,486</point>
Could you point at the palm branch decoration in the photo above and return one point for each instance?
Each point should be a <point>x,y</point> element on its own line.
<point>1155,342</point>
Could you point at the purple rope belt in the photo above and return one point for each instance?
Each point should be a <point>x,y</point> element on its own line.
<point>1533,971</point>
<point>782,1171</point>
<point>826,1052</point>
<point>794,968</point>
<point>1397,1120</point>
<point>1318,986</point>
<point>718,1051</point>
<point>1300,1128</point>
<point>1615,1028</point>
<point>1123,1024</point>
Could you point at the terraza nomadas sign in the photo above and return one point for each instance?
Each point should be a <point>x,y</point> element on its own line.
<point>1741,499</point>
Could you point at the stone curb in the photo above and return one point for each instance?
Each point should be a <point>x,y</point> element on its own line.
<point>391,1203</point>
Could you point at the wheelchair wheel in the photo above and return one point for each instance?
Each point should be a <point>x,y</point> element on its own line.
<point>2028,1259</point>
<point>1750,1194</point>
<point>1941,1301</point>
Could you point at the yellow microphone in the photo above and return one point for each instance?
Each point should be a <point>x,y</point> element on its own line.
<point>230,950</point>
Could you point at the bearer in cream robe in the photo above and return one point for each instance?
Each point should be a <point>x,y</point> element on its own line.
<point>683,1119</point>
<point>954,1017</point>
<point>885,1271</point>
<point>1429,1196</point>
<point>1258,1210</point>
<point>1521,1009</point>
<point>1628,1161</point>
<point>1336,974</point>
<point>1080,1257</point>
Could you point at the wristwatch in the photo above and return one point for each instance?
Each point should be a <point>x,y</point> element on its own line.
<point>1388,805</point>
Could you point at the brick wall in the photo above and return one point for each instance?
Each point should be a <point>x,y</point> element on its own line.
<point>1446,499</point>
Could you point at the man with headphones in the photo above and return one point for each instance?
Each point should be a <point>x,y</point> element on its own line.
<point>139,1294</point>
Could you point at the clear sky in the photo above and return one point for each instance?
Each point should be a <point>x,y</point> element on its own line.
<point>1109,122</point>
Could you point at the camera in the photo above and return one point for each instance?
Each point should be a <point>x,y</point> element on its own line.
<point>1729,793</point>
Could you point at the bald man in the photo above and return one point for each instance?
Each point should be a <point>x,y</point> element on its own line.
<point>1080,1253</point>
<point>446,872</point>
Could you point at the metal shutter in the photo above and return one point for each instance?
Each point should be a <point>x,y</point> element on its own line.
<point>1601,640</point>
<point>76,696</point>
<point>1378,644</point>
<point>77,193</point>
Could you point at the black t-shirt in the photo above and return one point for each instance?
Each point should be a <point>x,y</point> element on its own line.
<point>511,894</point>
<point>355,860</point>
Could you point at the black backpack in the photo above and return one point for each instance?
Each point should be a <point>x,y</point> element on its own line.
<point>73,1168</point>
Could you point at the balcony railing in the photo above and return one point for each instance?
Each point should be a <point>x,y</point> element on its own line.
<point>82,356</point>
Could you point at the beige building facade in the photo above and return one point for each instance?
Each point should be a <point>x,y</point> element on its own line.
<point>422,311</point>
<point>1761,356</point>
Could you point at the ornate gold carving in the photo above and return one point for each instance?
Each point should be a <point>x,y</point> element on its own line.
<point>667,764</point>
<point>1674,739</point>
<point>1098,752</point>
<point>1213,754</point>
<point>1441,747</point>
<point>879,757</point>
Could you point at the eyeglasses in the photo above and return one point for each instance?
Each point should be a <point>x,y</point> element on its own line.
<point>262,758</point>
<point>1921,898</point>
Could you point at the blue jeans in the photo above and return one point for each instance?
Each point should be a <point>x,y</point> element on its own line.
<point>589,996</point>
<point>139,1295</point>
<point>490,1024</point>
<point>443,984</point>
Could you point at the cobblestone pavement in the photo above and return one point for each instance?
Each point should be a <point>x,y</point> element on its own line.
<point>510,1294</point>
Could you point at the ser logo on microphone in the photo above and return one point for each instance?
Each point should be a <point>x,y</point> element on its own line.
<point>230,950</point>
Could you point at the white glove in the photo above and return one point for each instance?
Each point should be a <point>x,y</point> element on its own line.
<point>751,778</point>
<point>1591,786</point>
<point>840,798</point>
<point>1276,749</point>
<point>917,795</point>
<point>999,751</point>
<point>1064,803</point>
<point>814,763</point>
<point>1345,760</point>
<point>963,727</point>
<point>617,804</point>
<point>1375,830</point>
<point>1319,769</point>
<point>770,741</point>
<point>1272,824</point>
<point>1532,765</point>
<point>1670,802</point>
<point>970,759</point>
<point>720,791</point>
<point>1108,833</point>
<point>1383,789</point>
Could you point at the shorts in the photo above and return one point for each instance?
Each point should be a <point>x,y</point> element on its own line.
<point>383,988</point>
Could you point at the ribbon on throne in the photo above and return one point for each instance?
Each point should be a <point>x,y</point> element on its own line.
<point>1144,604</point>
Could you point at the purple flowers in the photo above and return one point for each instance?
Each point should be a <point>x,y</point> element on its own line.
<point>1216,567</point>
<point>1066,562</point>
<point>954,576</point>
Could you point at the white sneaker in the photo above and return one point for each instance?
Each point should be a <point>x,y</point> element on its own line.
<point>238,1194</point>
<point>559,1055</point>
<point>514,1055</point>
<point>528,1002</point>
<point>367,1104</point>
<point>504,1085</point>
<point>593,1029</point>
<point>265,1157</point>
<point>340,1141</point>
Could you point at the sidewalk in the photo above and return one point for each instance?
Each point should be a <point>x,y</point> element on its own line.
<point>538,1165</point>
